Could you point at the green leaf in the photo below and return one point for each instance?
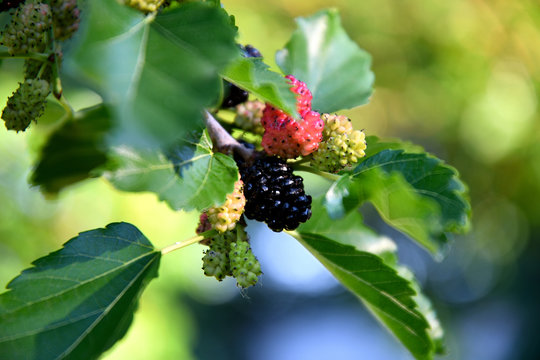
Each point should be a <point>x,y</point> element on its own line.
<point>425,307</point>
<point>158,74</point>
<point>206,177</point>
<point>350,230</point>
<point>253,75</point>
<point>335,69</point>
<point>74,151</point>
<point>387,295</point>
<point>415,193</point>
<point>77,302</point>
<point>376,145</point>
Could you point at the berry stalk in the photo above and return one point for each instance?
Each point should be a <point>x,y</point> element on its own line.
<point>192,240</point>
<point>309,169</point>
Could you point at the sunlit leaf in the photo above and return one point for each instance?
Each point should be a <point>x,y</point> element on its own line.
<point>77,302</point>
<point>389,297</point>
<point>350,230</point>
<point>415,193</point>
<point>253,75</point>
<point>74,151</point>
<point>158,74</point>
<point>335,69</point>
<point>191,177</point>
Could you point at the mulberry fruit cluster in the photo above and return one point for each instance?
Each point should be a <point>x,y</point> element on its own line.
<point>286,137</point>
<point>229,254</point>
<point>274,194</point>
<point>224,217</point>
<point>28,30</point>
<point>341,147</point>
<point>25,104</point>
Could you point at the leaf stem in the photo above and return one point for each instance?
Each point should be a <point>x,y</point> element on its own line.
<point>187,242</point>
<point>69,111</point>
<point>309,169</point>
<point>303,160</point>
<point>223,141</point>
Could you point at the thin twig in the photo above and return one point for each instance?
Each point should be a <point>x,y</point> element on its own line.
<point>192,240</point>
<point>223,141</point>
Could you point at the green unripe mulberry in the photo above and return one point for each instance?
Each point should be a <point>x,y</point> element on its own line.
<point>341,147</point>
<point>244,265</point>
<point>26,104</point>
<point>28,30</point>
<point>216,259</point>
<point>66,18</point>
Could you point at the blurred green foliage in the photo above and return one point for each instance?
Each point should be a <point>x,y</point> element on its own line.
<point>461,78</point>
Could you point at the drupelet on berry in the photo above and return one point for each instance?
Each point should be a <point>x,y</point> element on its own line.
<point>274,194</point>
<point>342,146</point>
<point>286,137</point>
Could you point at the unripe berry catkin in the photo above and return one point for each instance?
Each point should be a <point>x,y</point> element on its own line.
<point>66,18</point>
<point>28,30</point>
<point>216,261</point>
<point>225,217</point>
<point>244,265</point>
<point>26,104</point>
<point>342,146</point>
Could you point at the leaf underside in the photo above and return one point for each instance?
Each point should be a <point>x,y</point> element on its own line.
<point>157,74</point>
<point>253,75</point>
<point>74,151</point>
<point>335,69</point>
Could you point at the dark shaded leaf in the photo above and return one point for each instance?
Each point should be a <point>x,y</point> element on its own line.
<point>77,302</point>
<point>74,151</point>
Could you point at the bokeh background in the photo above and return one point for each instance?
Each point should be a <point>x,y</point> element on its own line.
<point>461,78</point>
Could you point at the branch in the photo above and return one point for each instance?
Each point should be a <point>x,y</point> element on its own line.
<point>222,140</point>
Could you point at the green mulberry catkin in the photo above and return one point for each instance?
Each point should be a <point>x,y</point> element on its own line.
<point>26,104</point>
<point>341,146</point>
<point>216,259</point>
<point>244,265</point>
<point>66,18</point>
<point>28,30</point>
